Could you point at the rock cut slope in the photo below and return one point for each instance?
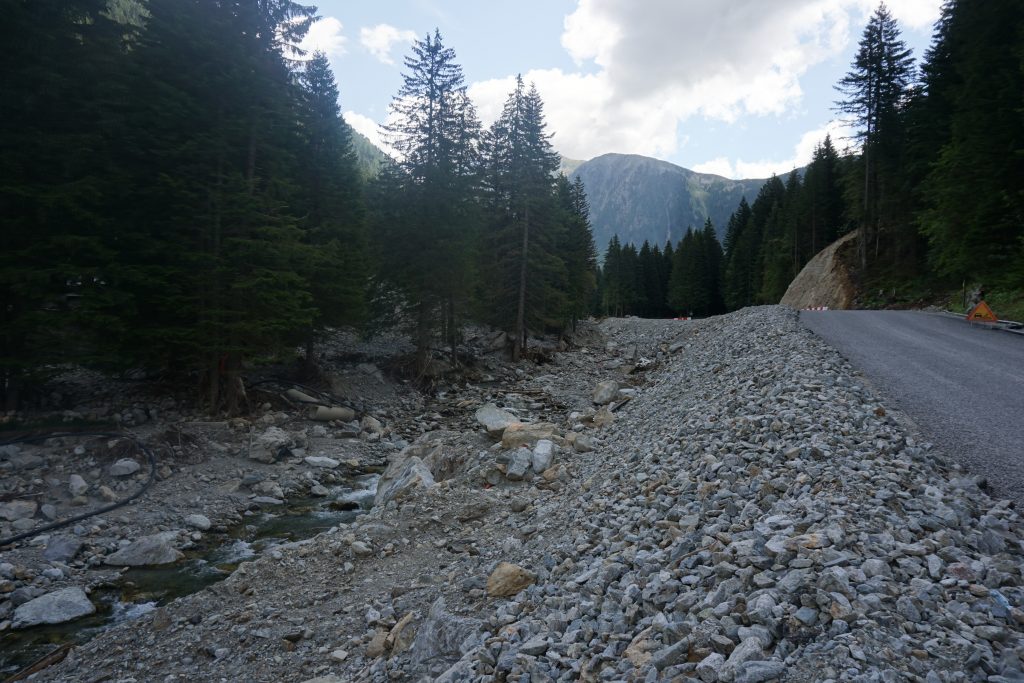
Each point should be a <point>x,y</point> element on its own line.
<point>751,514</point>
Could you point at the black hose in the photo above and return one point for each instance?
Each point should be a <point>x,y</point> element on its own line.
<point>78,518</point>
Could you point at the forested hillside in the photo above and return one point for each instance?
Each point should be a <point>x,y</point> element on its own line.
<point>934,189</point>
<point>158,213</point>
<point>639,198</point>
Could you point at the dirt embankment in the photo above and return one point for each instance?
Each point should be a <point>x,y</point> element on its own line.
<point>826,280</point>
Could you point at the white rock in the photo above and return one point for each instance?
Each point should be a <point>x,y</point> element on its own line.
<point>321,461</point>
<point>57,607</point>
<point>124,467</point>
<point>77,486</point>
<point>197,521</point>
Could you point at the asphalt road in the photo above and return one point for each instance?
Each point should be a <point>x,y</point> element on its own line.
<point>963,385</point>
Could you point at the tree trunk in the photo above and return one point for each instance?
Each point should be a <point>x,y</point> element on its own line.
<point>451,332</point>
<point>862,242</point>
<point>519,343</point>
<point>422,339</point>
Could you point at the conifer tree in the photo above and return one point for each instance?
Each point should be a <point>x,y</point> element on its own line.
<point>426,248</point>
<point>875,90</point>
<point>529,277</point>
<point>330,200</point>
<point>62,75</point>
<point>214,254</point>
<point>973,193</point>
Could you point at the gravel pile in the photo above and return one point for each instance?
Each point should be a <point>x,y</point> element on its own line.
<point>749,511</point>
<point>757,515</point>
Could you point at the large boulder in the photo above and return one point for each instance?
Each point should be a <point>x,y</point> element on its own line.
<point>271,444</point>
<point>146,551</point>
<point>66,604</point>
<point>404,474</point>
<point>826,279</point>
<point>494,419</point>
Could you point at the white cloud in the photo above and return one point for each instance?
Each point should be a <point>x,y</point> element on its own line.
<point>325,36</point>
<point>802,153</point>
<point>914,14</point>
<point>380,39</point>
<point>643,73</point>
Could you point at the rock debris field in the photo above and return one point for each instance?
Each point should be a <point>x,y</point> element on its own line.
<point>721,500</point>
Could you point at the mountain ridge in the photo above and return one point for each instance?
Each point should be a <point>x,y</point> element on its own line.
<point>641,198</point>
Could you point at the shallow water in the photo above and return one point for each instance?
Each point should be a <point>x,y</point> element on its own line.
<point>142,590</point>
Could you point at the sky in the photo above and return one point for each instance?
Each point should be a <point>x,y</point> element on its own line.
<point>740,88</point>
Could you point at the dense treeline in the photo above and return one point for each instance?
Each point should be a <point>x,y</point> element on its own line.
<point>935,187</point>
<point>179,192</point>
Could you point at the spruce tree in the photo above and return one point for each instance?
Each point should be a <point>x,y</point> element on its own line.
<point>975,95</point>
<point>875,90</point>
<point>329,197</point>
<point>62,66</point>
<point>214,255</point>
<point>426,249</point>
<point>528,278</point>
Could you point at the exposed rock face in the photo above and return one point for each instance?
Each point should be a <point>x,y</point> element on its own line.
<point>57,607</point>
<point>640,198</point>
<point>825,280</point>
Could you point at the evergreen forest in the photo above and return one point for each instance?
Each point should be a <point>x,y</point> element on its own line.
<point>181,194</point>
<point>933,184</point>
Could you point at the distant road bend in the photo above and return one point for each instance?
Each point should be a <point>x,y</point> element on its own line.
<point>962,384</point>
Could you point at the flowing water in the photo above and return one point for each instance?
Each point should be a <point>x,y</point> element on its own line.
<point>141,590</point>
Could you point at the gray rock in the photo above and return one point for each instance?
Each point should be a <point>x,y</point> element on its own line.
<point>148,550</point>
<point>758,671</point>
<point>406,473</point>
<point>605,392</point>
<point>494,419</point>
<point>443,635</point>
<point>537,645</point>
<point>271,445</point>
<point>807,615</point>
<point>124,467</point>
<point>583,444</point>
<point>197,521</point>
<point>18,509</point>
<point>519,464</point>
<point>321,461</point>
<point>543,455</point>
<point>746,651</point>
<point>77,486</point>
<point>57,607</point>
<point>709,667</point>
<point>61,548</point>
<point>670,655</point>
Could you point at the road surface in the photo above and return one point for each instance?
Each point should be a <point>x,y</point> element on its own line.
<point>963,385</point>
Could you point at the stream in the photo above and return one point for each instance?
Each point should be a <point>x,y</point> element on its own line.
<point>139,591</point>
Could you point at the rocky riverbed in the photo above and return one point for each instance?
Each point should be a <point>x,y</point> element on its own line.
<point>721,500</point>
